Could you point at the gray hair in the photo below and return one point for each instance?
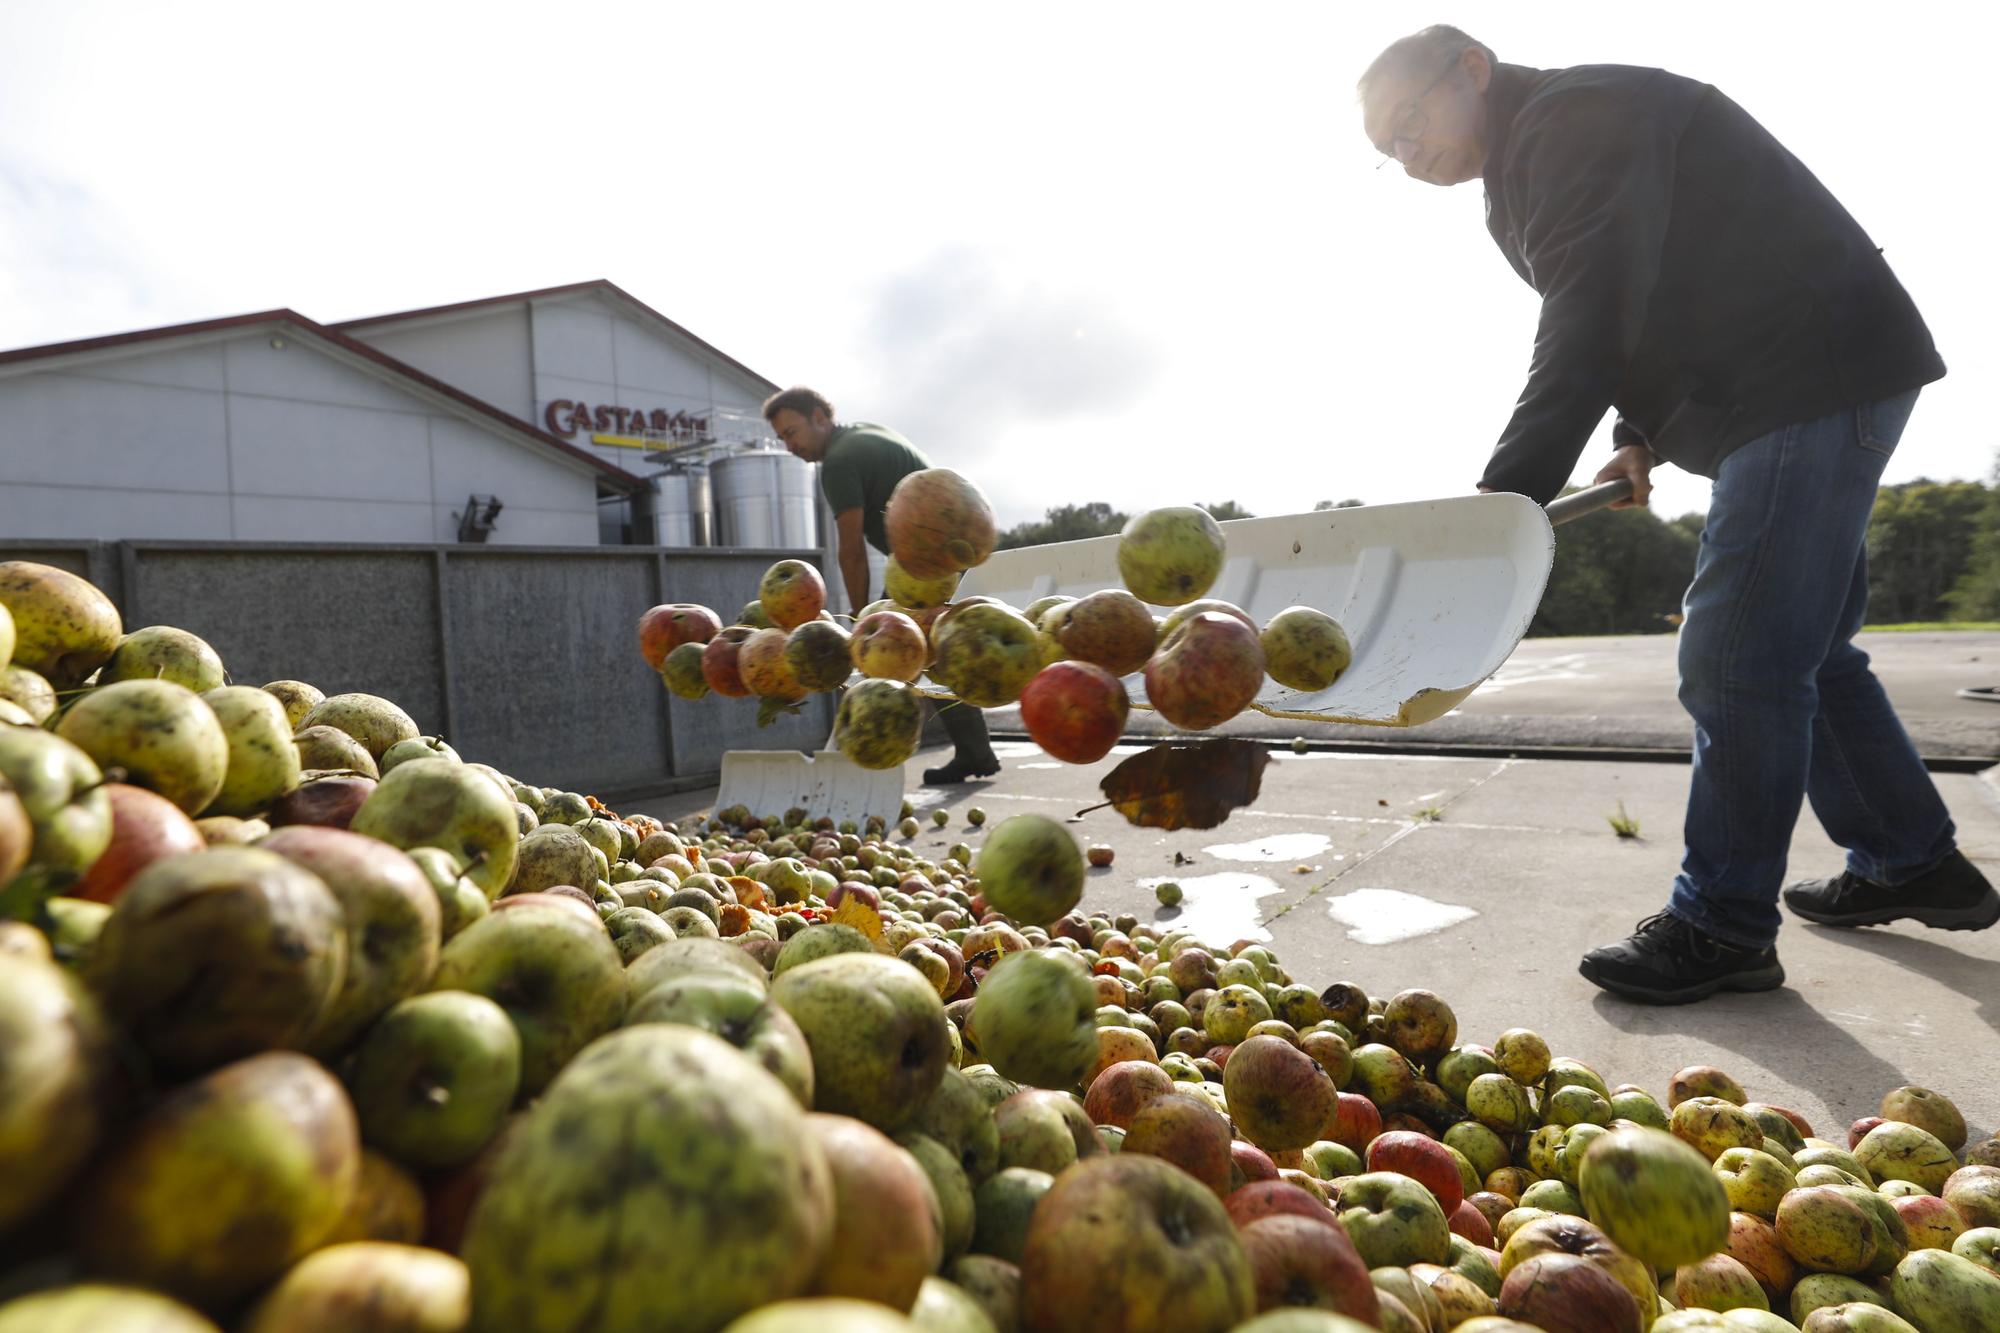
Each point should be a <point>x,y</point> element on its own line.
<point>1427,50</point>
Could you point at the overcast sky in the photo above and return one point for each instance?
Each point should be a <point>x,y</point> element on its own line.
<point>1080,251</point>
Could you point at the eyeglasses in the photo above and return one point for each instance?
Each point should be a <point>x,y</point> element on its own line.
<point>1414,120</point>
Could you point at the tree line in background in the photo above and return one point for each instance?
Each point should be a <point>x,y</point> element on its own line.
<point>1933,555</point>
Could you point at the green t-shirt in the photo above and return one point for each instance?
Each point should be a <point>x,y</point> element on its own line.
<point>862,464</point>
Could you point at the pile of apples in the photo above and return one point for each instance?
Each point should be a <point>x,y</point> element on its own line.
<point>408,1044</point>
<point>1062,659</point>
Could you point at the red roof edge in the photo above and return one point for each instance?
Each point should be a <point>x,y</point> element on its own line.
<point>624,480</point>
<point>149,335</point>
<point>566,289</point>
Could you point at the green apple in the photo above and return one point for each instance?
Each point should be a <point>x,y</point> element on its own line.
<point>553,970</point>
<point>1034,1019</point>
<point>738,1010</point>
<point>162,734</point>
<point>433,1080</point>
<point>1394,1221</point>
<point>297,698</point>
<point>263,758</point>
<point>161,652</point>
<point>69,816</point>
<point>439,803</point>
<point>370,719</point>
<point>64,628</point>
<point>423,747</point>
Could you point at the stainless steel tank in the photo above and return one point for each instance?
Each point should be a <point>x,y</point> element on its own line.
<point>764,498</point>
<point>682,509</point>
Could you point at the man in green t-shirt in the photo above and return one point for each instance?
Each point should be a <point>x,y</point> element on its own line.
<point>859,465</point>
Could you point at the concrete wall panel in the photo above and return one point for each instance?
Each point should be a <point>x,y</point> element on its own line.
<point>357,620</point>
<point>546,672</point>
<point>704,728</point>
<point>546,680</point>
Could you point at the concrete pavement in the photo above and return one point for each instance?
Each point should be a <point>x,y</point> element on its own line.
<point>1485,879</point>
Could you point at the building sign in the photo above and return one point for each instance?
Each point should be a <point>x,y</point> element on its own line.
<point>565,419</point>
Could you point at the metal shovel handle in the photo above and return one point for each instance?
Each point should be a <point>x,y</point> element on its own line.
<point>1589,501</point>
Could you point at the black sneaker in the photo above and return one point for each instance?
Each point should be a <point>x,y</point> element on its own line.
<point>960,770</point>
<point>1952,896</point>
<point>1668,961</point>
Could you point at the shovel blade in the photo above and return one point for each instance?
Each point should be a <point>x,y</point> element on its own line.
<point>770,782</point>
<point>1434,595</point>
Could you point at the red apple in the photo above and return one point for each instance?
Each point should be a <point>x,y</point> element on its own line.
<point>1075,710</point>
<point>885,1214</point>
<point>1123,1244</point>
<point>1110,628</point>
<point>1268,1198</point>
<point>792,592</point>
<point>1249,1163</point>
<point>1190,1133</point>
<point>1123,1090</point>
<point>1278,1096</point>
<point>1753,1242</point>
<point>1355,1122</point>
<point>1468,1221</point>
<point>1296,1261</point>
<point>888,645</point>
<point>1566,1293</point>
<point>938,523</point>
<point>1492,1206</point>
<point>1932,1223</point>
<point>328,802</point>
<point>1423,1160</point>
<point>145,827</point>
<point>1582,1239</point>
<point>719,662</point>
<point>1180,613</point>
<point>866,894</point>
<point>665,628</point>
<point>1208,670</point>
<point>762,665</point>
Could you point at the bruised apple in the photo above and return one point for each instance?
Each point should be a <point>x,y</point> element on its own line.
<point>665,628</point>
<point>1208,670</point>
<point>888,645</point>
<point>1075,711</point>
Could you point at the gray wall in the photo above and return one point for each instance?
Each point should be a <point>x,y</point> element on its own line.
<point>523,658</point>
<point>265,435</point>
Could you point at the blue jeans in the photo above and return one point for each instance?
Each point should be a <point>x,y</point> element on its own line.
<point>1784,705</point>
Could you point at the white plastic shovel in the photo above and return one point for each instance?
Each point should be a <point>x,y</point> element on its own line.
<point>1434,596</point>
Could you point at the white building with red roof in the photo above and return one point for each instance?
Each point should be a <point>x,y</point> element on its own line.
<point>552,417</point>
